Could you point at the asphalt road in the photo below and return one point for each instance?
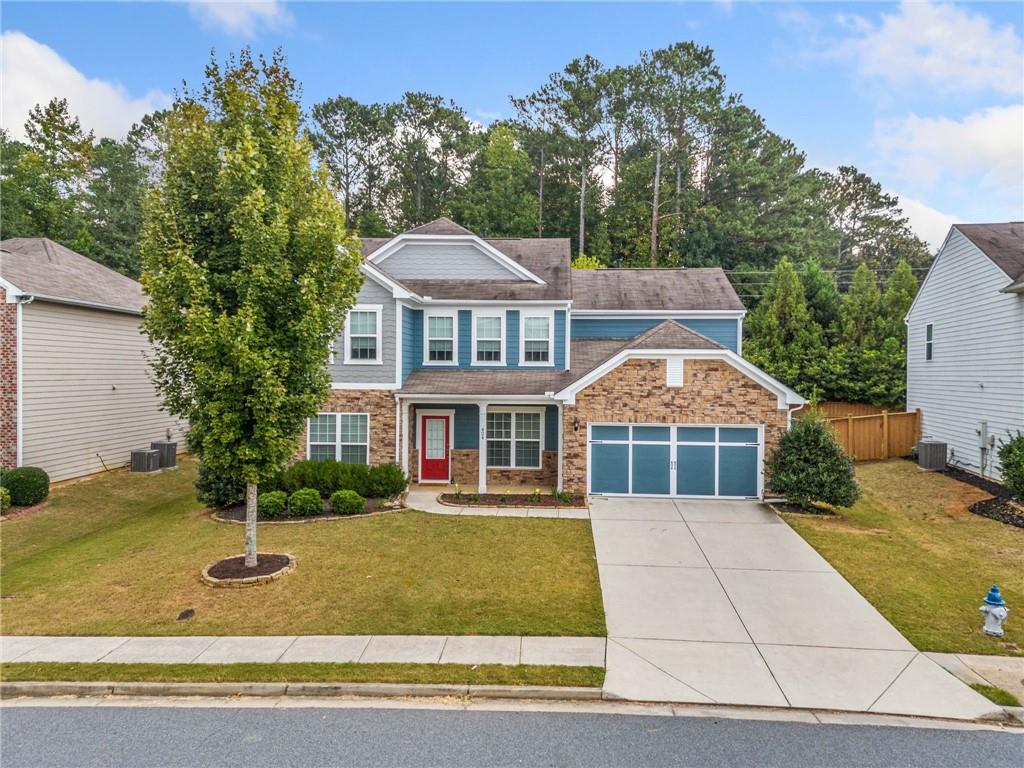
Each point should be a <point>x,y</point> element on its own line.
<point>251,738</point>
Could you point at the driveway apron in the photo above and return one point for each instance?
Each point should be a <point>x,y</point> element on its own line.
<point>722,602</point>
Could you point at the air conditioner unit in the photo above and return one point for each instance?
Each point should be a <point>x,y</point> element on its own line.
<point>168,452</point>
<point>931,455</point>
<point>145,460</point>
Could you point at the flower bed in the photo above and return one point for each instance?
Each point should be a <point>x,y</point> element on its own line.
<point>236,513</point>
<point>512,500</point>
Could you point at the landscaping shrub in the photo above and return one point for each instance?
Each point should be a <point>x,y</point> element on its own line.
<point>809,465</point>
<point>216,490</point>
<point>272,503</point>
<point>386,481</point>
<point>1011,457</point>
<point>347,503</point>
<point>305,502</point>
<point>27,485</point>
<point>353,477</point>
<point>327,477</point>
<point>5,500</point>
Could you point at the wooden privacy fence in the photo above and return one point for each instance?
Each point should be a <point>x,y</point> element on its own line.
<point>832,409</point>
<point>877,436</point>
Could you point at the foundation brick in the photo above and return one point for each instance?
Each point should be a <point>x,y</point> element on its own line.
<point>8,382</point>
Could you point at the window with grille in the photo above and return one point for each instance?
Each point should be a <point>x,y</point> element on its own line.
<point>514,439</point>
<point>342,437</point>
<point>363,334</point>
<point>537,339</point>
<point>488,339</point>
<point>441,339</point>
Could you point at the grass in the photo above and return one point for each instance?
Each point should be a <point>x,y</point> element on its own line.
<point>459,674</point>
<point>121,555</point>
<point>913,549</point>
<point>996,694</point>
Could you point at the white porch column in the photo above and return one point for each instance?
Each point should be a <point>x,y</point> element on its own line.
<point>558,447</point>
<point>405,438</point>
<point>482,482</point>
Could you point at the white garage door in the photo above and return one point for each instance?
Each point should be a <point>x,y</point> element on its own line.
<point>690,460</point>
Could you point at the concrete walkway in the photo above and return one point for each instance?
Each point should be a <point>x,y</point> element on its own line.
<point>1006,672</point>
<point>417,649</point>
<point>425,499</point>
<point>721,602</point>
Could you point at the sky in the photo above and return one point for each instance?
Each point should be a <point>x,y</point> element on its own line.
<point>927,98</point>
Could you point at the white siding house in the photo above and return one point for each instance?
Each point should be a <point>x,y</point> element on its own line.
<point>965,344</point>
<point>81,397</point>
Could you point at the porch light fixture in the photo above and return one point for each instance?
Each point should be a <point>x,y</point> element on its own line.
<point>576,424</point>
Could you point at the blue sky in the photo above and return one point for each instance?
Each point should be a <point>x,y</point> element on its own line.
<point>925,97</point>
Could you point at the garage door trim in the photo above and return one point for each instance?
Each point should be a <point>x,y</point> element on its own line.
<point>673,444</point>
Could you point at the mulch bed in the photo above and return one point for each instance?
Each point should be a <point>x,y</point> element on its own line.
<point>237,512</point>
<point>509,500</point>
<point>234,567</point>
<point>17,512</point>
<point>1003,510</point>
<point>984,483</point>
<point>793,509</point>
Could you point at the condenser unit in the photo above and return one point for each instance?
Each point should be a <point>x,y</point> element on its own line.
<point>168,452</point>
<point>931,455</point>
<point>145,460</point>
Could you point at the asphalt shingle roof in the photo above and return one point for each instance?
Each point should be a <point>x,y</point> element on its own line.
<point>1002,243</point>
<point>653,289</point>
<point>39,266</point>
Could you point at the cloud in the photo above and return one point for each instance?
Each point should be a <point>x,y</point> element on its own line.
<point>241,17</point>
<point>928,224</point>
<point>34,73</point>
<point>943,47</point>
<point>985,148</point>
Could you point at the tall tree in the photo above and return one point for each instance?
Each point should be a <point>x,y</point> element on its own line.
<point>249,272</point>
<point>570,102</point>
<point>900,291</point>
<point>498,199</point>
<point>869,224</point>
<point>859,314</point>
<point>823,300</point>
<point>113,206</point>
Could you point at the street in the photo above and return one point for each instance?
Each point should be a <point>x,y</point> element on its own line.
<point>85,736</point>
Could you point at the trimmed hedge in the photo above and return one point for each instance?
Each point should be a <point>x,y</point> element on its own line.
<point>327,477</point>
<point>305,502</point>
<point>27,485</point>
<point>217,491</point>
<point>272,504</point>
<point>5,500</point>
<point>347,503</point>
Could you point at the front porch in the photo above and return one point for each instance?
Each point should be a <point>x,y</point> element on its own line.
<point>481,446</point>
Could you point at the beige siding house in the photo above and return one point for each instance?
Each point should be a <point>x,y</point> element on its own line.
<point>80,397</point>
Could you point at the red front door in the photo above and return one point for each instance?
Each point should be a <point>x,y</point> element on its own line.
<point>434,448</point>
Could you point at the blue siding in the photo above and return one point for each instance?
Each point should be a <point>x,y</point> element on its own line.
<point>410,348</point>
<point>720,329</point>
<point>467,425</point>
<point>560,339</point>
<point>465,338</point>
<point>551,428</point>
<point>512,338</point>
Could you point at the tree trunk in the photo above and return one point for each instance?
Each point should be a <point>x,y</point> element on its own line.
<point>540,197</point>
<point>250,525</point>
<point>654,207</point>
<point>583,198</point>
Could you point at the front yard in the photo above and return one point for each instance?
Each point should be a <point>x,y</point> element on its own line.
<point>913,549</point>
<point>121,555</point>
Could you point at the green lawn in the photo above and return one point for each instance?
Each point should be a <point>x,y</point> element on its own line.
<point>121,554</point>
<point>459,674</point>
<point>912,548</point>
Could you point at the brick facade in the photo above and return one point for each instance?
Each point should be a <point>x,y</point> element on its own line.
<point>713,392</point>
<point>380,405</point>
<point>466,471</point>
<point>8,382</point>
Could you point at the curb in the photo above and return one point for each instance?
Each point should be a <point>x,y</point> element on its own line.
<point>10,690</point>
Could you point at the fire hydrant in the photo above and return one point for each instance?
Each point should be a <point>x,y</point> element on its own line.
<point>995,611</point>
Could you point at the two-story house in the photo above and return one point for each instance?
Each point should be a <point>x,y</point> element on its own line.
<point>491,363</point>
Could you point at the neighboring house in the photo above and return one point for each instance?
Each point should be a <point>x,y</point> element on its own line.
<point>75,394</point>
<point>965,344</point>
<point>490,363</point>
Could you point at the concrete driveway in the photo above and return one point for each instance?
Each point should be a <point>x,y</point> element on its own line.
<point>722,602</point>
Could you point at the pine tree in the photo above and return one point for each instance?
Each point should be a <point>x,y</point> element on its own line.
<point>823,298</point>
<point>859,314</point>
<point>899,295</point>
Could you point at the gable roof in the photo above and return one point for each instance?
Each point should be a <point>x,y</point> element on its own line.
<point>653,289</point>
<point>442,226</point>
<point>40,267</point>
<point>1003,243</point>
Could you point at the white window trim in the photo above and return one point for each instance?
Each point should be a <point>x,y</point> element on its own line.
<point>502,318</point>
<point>378,310</point>
<point>929,344</point>
<point>454,314</point>
<point>330,351</point>
<point>524,315</point>
<point>501,409</point>
<point>337,433</point>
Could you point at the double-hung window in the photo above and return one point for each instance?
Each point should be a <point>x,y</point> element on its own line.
<point>363,336</point>
<point>488,344</point>
<point>341,437</point>
<point>928,333</point>
<point>537,334</point>
<point>514,439</point>
<point>441,340</point>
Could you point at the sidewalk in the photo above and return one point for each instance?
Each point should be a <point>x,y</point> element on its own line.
<point>413,649</point>
<point>1006,672</point>
<point>425,499</point>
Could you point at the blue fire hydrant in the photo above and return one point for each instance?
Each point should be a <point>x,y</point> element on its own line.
<point>995,611</point>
